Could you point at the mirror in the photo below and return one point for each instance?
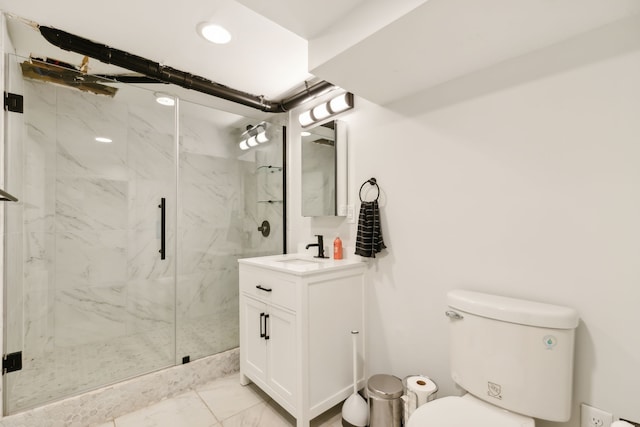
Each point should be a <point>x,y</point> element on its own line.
<point>324,170</point>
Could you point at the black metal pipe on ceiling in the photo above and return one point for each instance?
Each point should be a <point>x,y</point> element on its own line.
<point>155,70</point>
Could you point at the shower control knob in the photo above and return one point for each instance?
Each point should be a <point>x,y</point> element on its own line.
<point>265,228</point>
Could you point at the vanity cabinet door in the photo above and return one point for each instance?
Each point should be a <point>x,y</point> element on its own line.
<point>282,352</point>
<point>254,345</point>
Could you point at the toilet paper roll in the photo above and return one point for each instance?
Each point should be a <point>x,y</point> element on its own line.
<point>422,387</point>
<point>621,423</point>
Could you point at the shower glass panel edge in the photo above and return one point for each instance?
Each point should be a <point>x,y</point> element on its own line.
<point>224,195</point>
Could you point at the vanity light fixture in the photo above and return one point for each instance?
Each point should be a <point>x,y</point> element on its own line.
<point>165,99</point>
<point>213,33</point>
<point>330,108</point>
<point>254,136</point>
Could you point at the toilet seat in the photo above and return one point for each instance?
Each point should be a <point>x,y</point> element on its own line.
<point>463,411</point>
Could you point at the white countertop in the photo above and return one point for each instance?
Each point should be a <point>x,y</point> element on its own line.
<point>301,264</point>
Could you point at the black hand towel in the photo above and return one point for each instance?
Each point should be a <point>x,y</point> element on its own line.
<point>369,238</point>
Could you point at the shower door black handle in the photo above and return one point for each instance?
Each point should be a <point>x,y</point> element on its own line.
<point>163,225</point>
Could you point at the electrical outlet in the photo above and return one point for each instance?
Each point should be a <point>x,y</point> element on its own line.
<point>594,417</point>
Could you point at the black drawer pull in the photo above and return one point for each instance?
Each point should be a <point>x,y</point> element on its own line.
<point>266,327</point>
<point>262,334</point>
<point>263,289</point>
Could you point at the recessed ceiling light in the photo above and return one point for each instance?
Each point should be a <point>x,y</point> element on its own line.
<point>103,139</point>
<point>214,33</point>
<point>305,133</point>
<point>164,99</point>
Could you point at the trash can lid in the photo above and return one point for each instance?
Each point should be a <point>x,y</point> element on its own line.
<point>385,386</point>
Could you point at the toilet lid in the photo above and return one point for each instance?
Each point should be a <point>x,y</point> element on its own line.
<point>455,411</point>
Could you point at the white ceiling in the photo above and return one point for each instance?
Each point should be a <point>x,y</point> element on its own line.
<point>441,40</point>
<point>382,50</point>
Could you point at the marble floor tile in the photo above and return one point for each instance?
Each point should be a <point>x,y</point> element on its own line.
<point>226,397</point>
<point>109,424</point>
<point>260,415</point>
<point>186,410</point>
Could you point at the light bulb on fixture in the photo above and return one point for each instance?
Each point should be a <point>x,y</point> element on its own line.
<point>103,139</point>
<point>262,137</point>
<point>327,109</point>
<point>321,112</point>
<point>305,118</point>
<point>339,103</point>
<point>253,136</point>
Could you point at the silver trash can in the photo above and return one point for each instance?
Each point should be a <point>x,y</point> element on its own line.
<point>385,405</point>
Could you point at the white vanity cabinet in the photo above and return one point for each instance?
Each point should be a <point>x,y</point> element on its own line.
<point>296,318</point>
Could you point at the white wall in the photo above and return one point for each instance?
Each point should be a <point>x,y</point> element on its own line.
<point>521,180</point>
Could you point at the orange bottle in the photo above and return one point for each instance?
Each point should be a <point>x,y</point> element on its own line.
<point>337,248</point>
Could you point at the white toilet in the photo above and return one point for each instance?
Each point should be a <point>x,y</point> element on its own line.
<point>513,357</point>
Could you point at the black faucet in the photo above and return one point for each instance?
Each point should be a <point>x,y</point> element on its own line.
<point>320,246</point>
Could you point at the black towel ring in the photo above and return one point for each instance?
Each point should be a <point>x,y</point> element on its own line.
<point>370,181</point>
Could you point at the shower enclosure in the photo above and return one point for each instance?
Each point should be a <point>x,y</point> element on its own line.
<point>120,257</point>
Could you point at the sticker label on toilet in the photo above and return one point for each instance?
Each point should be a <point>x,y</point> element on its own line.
<point>494,390</point>
<point>550,341</point>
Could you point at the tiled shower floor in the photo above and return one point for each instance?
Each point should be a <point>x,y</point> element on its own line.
<point>69,371</point>
<point>221,403</point>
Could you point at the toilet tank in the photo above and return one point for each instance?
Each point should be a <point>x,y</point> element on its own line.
<point>513,353</point>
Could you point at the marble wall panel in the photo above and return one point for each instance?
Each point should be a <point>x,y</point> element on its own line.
<point>153,118</point>
<point>38,320</point>
<point>81,155</point>
<point>90,204</point>
<point>150,305</point>
<point>39,182</point>
<point>38,291</point>
<point>90,258</point>
<point>151,150</point>
<point>85,315</point>
<point>91,108</point>
<point>143,258</point>
<point>206,205</point>
<point>202,292</point>
<point>200,136</point>
<point>144,197</point>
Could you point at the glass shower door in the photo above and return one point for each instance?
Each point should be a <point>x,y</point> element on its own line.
<point>225,195</point>
<point>89,300</point>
